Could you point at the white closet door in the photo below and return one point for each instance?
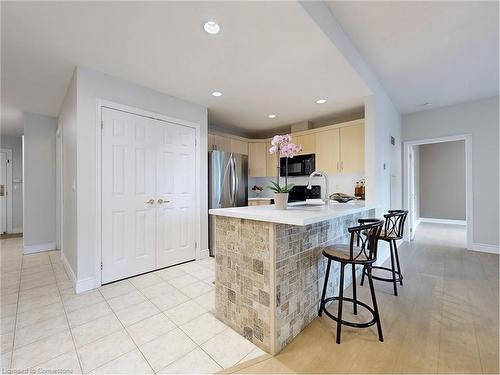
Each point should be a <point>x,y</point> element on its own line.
<point>3,192</point>
<point>129,146</point>
<point>176,186</point>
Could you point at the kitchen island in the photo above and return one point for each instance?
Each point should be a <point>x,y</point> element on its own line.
<point>269,268</point>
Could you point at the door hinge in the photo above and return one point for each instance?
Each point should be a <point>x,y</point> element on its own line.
<point>411,230</point>
<point>195,244</point>
<point>102,124</point>
<point>101,266</point>
<point>195,142</point>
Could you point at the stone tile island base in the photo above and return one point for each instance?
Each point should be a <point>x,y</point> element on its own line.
<point>269,276</point>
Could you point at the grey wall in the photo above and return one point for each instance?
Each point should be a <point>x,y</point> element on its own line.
<point>442,180</point>
<point>90,86</point>
<point>16,145</point>
<point>39,181</point>
<point>480,119</point>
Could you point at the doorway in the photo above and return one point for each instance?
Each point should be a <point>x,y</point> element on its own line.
<point>148,210</point>
<point>5,191</point>
<point>438,183</point>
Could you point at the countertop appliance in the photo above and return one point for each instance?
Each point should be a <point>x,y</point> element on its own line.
<point>300,193</point>
<point>300,165</point>
<point>227,183</point>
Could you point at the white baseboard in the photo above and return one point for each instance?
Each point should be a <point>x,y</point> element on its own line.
<point>32,249</point>
<point>16,230</point>
<point>204,254</point>
<point>79,286</point>
<point>494,249</point>
<point>441,221</point>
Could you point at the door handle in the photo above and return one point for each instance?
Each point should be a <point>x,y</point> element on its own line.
<point>161,201</point>
<point>151,201</point>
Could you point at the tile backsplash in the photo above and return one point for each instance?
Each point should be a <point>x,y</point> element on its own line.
<point>344,183</point>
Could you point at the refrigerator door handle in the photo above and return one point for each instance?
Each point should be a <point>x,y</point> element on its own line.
<point>236,180</point>
<point>233,175</point>
<point>224,177</point>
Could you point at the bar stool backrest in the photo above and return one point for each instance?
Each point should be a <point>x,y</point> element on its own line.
<point>395,223</point>
<point>365,236</point>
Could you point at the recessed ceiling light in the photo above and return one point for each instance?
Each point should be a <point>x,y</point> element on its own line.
<point>216,93</point>
<point>321,101</point>
<point>272,116</point>
<point>211,27</point>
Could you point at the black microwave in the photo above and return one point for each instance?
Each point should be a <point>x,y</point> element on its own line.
<point>300,165</point>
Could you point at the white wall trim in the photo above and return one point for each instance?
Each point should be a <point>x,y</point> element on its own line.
<point>485,248</point>
<point>205,253</point>
<point>101,103</point>
<point>79,286</point>
<point>469,212</point>
<point>8,151</point>
<point>442,221</point>
<point>31,249</point>
<point>68,269</point>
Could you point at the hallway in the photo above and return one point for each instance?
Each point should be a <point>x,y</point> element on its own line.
<point>445,319</point>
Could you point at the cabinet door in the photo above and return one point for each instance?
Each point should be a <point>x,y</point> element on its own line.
<point>271,162</point>
<point>257,159</point>
<point>222,143</point>
<point>328,151</point>
<point>239,147</point>
<point>352,149</point>
<point>308,143</point>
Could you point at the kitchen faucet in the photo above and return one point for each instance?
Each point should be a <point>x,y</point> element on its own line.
<point>319,174</point>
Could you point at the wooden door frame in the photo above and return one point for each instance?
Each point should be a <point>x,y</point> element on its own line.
<point>469,212</point>
<point>100,104</point>
<point>8,183</point>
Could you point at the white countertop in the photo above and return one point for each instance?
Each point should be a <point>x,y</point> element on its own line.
<point>295,214</point>
<point>259,199</point>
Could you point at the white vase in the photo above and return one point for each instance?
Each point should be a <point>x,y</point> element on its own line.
<point>280,201</point>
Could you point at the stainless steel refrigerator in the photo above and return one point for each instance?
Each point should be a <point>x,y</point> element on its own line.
<point>227,184</point>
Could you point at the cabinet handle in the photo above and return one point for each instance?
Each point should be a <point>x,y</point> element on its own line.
<point>342,165</point>
<point>338,168</point>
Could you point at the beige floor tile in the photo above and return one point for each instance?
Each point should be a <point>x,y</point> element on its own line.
<point>8,310</point>
<point>143,281</point>
<point>228,348</point>
<point>195,362</point>
<point>89,313</point>
<point>150,328</point>
<point>170,300</point>
<point>204,274</point>
<point>7,340</point>
<point>9,299</point>
<point>185,312</point>
<point>40,291</point>
<point>42,350</point>
<point>203,328</point>
<point>157,290</point>
<point>36,302</point>
<point>126,300</point>
<point>130,363</point>
<point>182,281</point>
<point>105,350</point>
<point>5,360</point>
<point>191,268</point>
<point>37,283</point>
<point>82,300</point>
<point>136,313</point>
<point>117,289</point>
<point>38,315</point>
<point>40,330</point>
<point>167,348</point>
<point>206,300</point>
<point>95,329</point>
<point>7,324</point>
<point>44,268</point>
<point>196,289</point>
<point>67,361</point>
<point>257,352</point>
<point>170,273</point>
<point>65,284</point>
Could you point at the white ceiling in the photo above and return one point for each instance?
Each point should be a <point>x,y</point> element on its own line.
<point>269,58</point>
<point>443,52</point>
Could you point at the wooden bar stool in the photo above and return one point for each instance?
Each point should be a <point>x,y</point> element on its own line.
<point>393,231</point>
<point>362,250</point>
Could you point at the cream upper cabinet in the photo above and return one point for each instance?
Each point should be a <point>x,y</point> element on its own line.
<point>211,141</point>
<point>239,147</point>
<point>257,159</point>
<point>222,143</point>
<point>307,141</point>
<point>352,148</point>
<point>328,151</point>
<point>271,161</point>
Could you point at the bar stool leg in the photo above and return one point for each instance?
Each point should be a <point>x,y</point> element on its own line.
<point>363,276</point>
<point>375,307</point>
<point>341,295</point>
<point>354,304</point>
<point>397,262</point>
<point>393,273</point>
<point>325,285</point>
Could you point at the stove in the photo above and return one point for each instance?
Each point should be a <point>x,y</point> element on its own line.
<point>300,193</point>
